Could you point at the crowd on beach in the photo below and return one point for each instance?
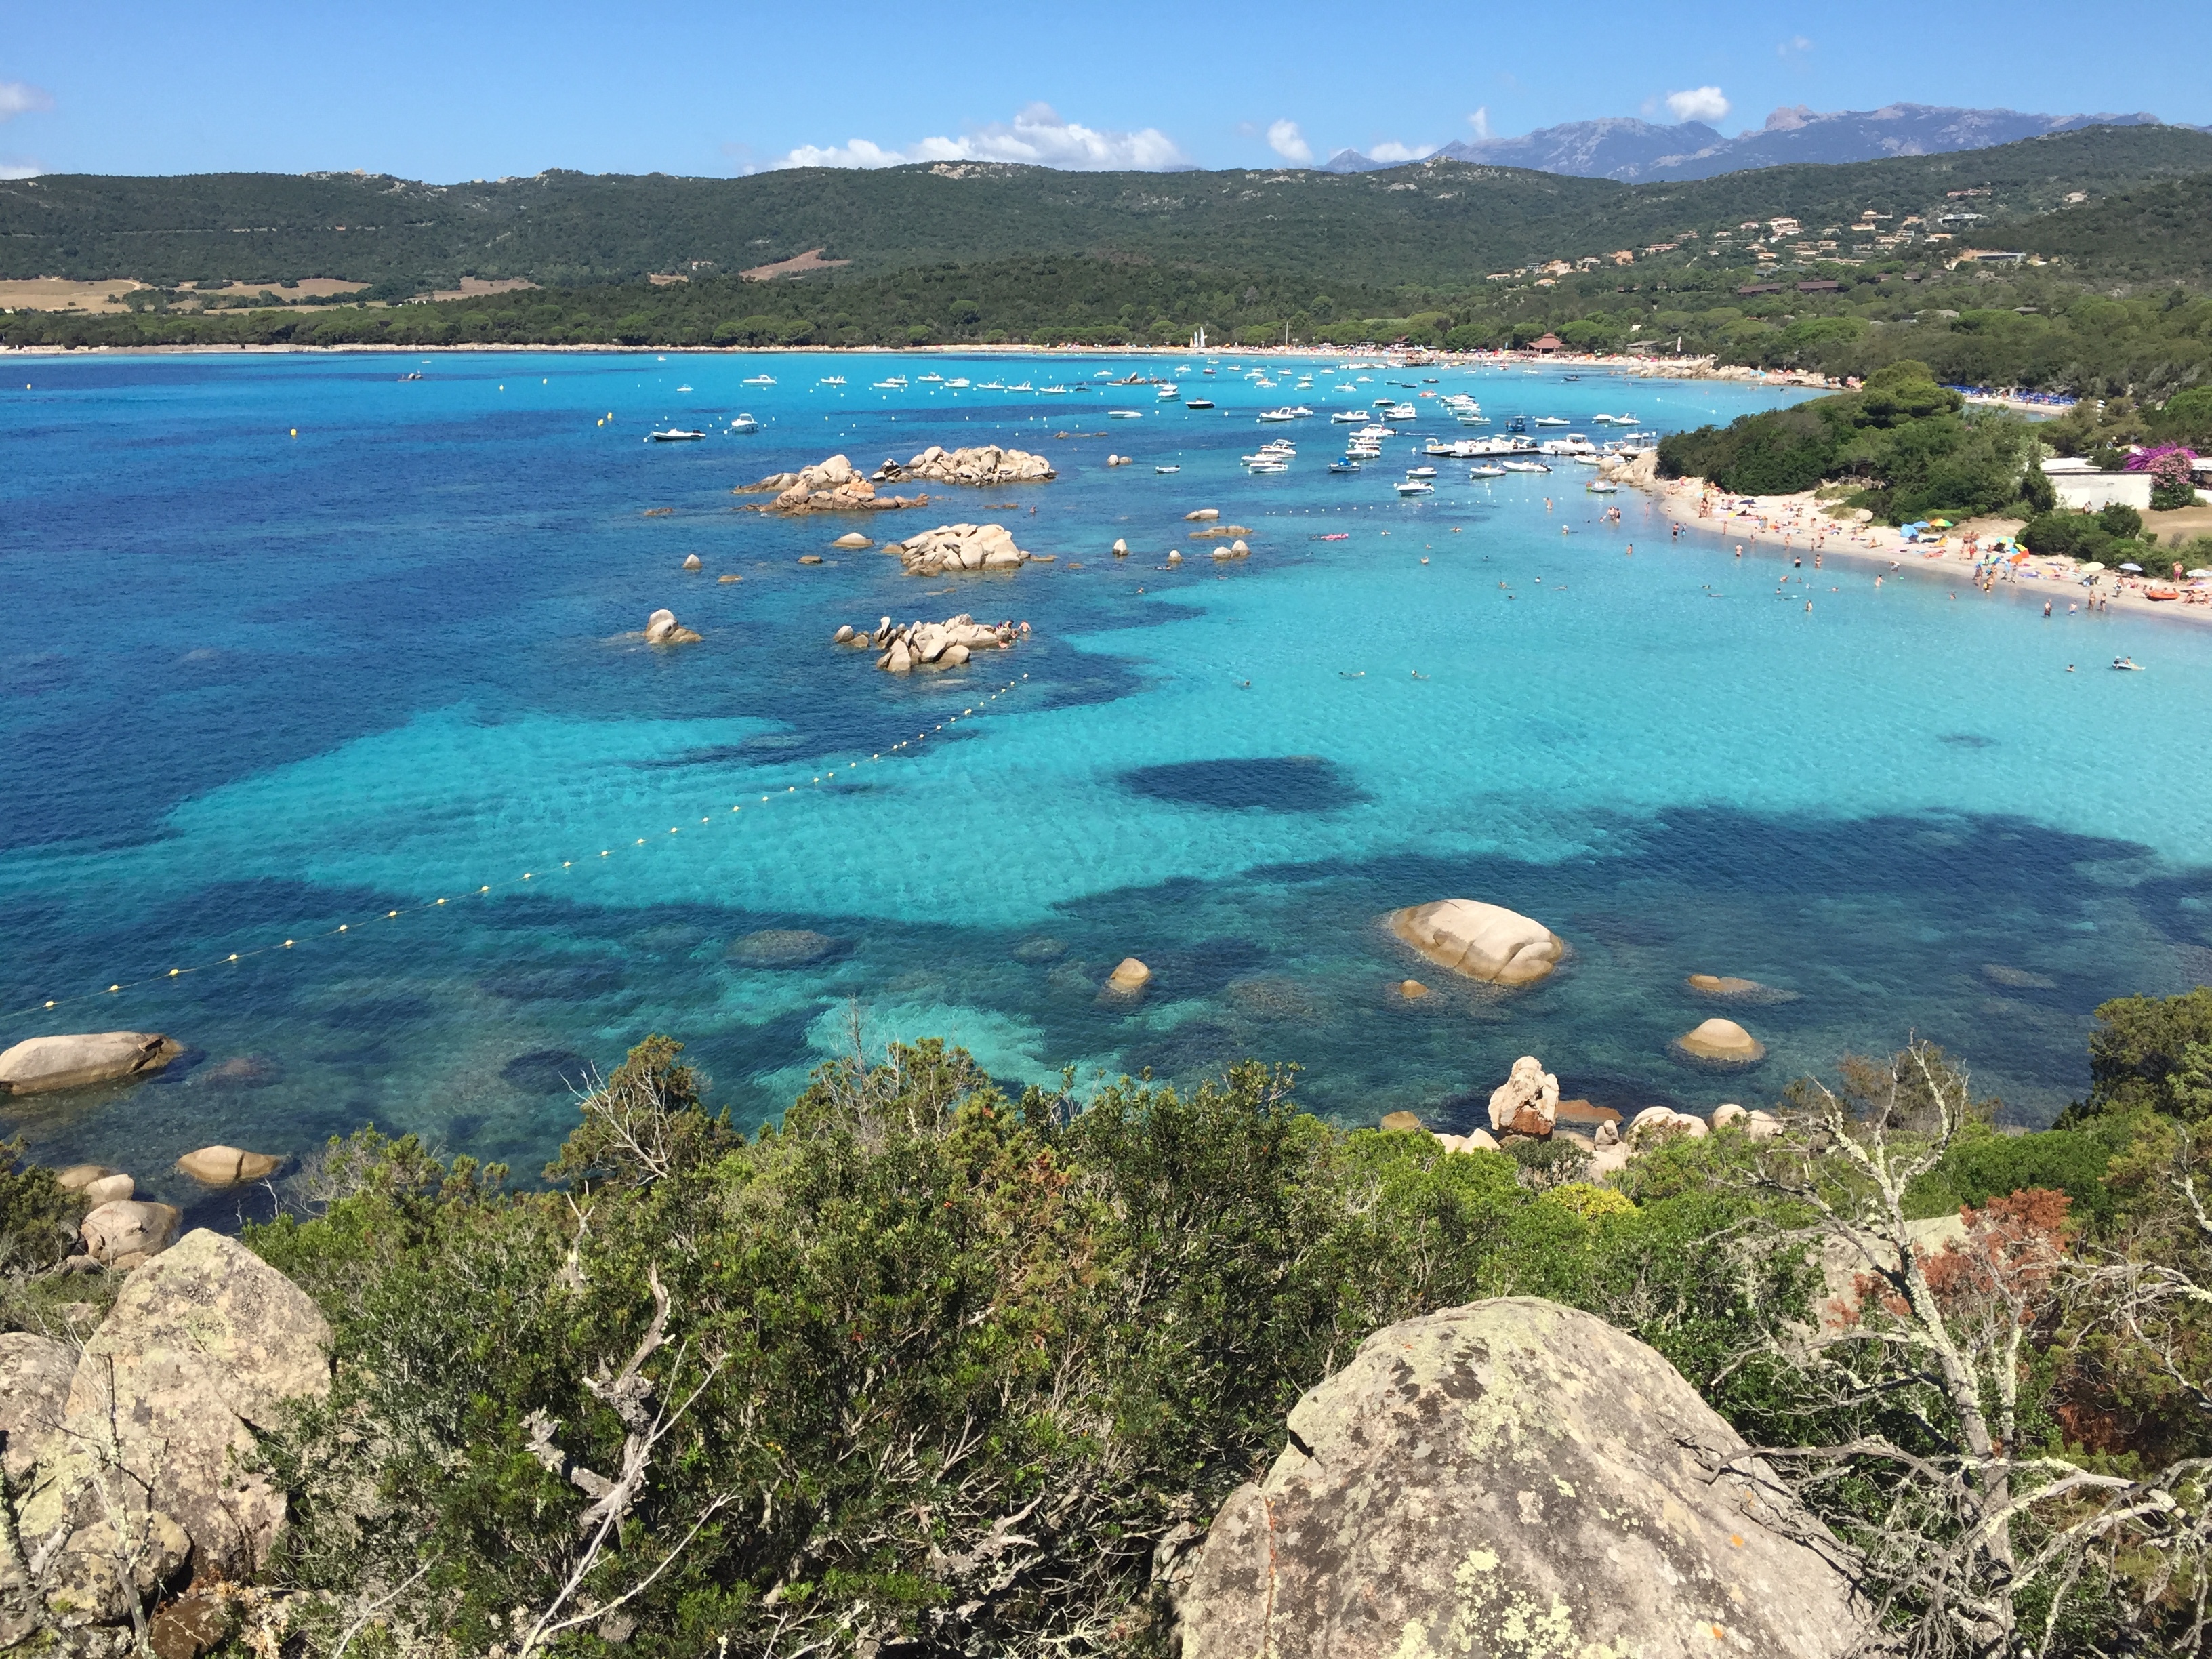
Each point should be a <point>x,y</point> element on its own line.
<point>1984,551</point>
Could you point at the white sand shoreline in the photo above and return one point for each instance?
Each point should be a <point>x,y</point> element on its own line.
<point>1798,525</point>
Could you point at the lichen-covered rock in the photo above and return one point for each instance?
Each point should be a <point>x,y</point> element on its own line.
<point>125,1230</point>
<point>1511,1478</point>
<point>34,1386</point>
<point>1483,941</point>
<point>985,465</point>
<point>37,1065</point>
<point>203,1346</point>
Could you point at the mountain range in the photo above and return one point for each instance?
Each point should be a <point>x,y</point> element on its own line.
<point>1637,152</point>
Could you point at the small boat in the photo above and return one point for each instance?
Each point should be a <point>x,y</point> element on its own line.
<point>1198,402</point>
<point>760,379</point>
<point>1600,486</point>
<point>992,385</point>
<point>1170,393</point>
<point>2162,593</point>
<point>1023,387</point>
<point>744,424</point>
<point>1277,415</point>
<point>1601,420</point>
<point>1348,416</point>
<point>686,388</point>
<point>1270,467</point>
<point>1348,465</point>
<point>827,380</point>
<point>674,434</point>
<point>938,377</point>
<point>957,386</point>
<point>1474,420</point>
<point>1552,420</point>
<point>1485,472</point>
<point>1407,412</point>
<point>1420,472</point>
<point>1525,466</point>
<point>1052,392</point>
<point>1164,471</point>
<point>1415,486</point>
<point>888,385</point>
<point>1124,414</point>
<point>416,375</point>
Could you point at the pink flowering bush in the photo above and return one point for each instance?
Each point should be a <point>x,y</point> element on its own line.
<point>2172,483</point>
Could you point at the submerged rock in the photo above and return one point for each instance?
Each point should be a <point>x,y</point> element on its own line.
<point>783,947</point>
<point>1482,941</point>
<point>1508,1467</point>
<point>1728,987</point>
<point>39,1065</point>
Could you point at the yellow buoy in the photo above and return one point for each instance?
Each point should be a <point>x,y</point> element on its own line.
<point>295,431</point>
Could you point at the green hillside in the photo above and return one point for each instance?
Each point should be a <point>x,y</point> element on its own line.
<point>1440,223</point>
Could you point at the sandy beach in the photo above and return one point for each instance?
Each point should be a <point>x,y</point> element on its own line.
<point>1800,526</point>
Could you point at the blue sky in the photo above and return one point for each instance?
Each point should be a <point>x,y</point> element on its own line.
<point>493,88</point>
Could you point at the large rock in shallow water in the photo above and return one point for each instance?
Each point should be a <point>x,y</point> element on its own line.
<point>1510,1478</point>
<point>39,1064</point>
<point>1483,941</point>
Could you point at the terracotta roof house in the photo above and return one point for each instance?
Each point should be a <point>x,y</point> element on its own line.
<point>1547,343</point>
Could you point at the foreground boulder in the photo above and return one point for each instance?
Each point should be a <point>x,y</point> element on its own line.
<point>37,1065</point>
<point>226,1166</point>
<point>1511,1478</point>
<point>140,1484</point>
<point>833,485</point>
<point>986,464</point>
<point>1483,941</point>
<point>661,628</point>
<point>955,547</point>
<point>124,1232</point>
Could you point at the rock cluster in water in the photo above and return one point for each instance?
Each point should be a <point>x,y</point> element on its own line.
<point>949,644</point>
<point>833,485</point>
<point>1528,1102</point>
<point>661,628</point>
<point>952,547</point>
<point>986,464</point>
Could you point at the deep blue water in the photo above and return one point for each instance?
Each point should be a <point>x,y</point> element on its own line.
<point>259,686</point>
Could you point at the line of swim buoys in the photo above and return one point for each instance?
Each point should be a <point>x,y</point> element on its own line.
<point>429,906</point>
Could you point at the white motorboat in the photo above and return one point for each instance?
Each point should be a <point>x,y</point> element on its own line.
<point>1600,420</point>
<point>1198,402</point>
<point>1124,414</point>
<point>1052,392</point>
<point>955,386</point>
<point>1348,465</point>
<point>1552,420</point>
<point>1420,472</point>
<point>1600,486</point>
<point>1170,393</point>
<point>1415,486</point>
<point>1525,466</point>
<point>1485,471</point>
<point>939,378</point>
<point>992,385</point>
<point>686,388</point>
<point>675,435</point>
<point>762,380</point>
<point>1401,412</point>
<point>1277,415</point>
<point>744,424</point>
<point>1164,471</point>
<point>1023,387</point>
<point>827,380</point>
<point>1348,416</point>
<point>888,385</point>
<point>1271,466</point>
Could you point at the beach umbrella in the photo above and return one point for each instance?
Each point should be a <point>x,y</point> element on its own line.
<point>2201,570</point>
<point>1940,523</point>
<point>2135,568</point>
<point>2091,564</point>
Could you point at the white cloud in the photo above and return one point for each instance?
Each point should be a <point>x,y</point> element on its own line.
<point>1391,150</point>
<point>20,169</point>
<point>20,98</point>
<point>1480,122</point>
<point>1796,43</point>
<point>1700,104</point>
<point>1037,136</point>
<point>1287,142</point>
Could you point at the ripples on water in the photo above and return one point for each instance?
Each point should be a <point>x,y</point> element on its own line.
<point>259,685</point>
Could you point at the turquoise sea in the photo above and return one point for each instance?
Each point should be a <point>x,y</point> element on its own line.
<point>260,685</point>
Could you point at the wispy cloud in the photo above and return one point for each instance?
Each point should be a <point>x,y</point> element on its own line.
<point>20,169</point>
<point>20,98</point>
<point>1391,150</point>
<point>1795,44</point>
<point>1287,142</point>
<point>1037,136</point>
<point>1480,122</point>
<point>1699,104</point>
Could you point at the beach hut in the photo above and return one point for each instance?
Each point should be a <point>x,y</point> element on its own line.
<point>1547,343</point>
